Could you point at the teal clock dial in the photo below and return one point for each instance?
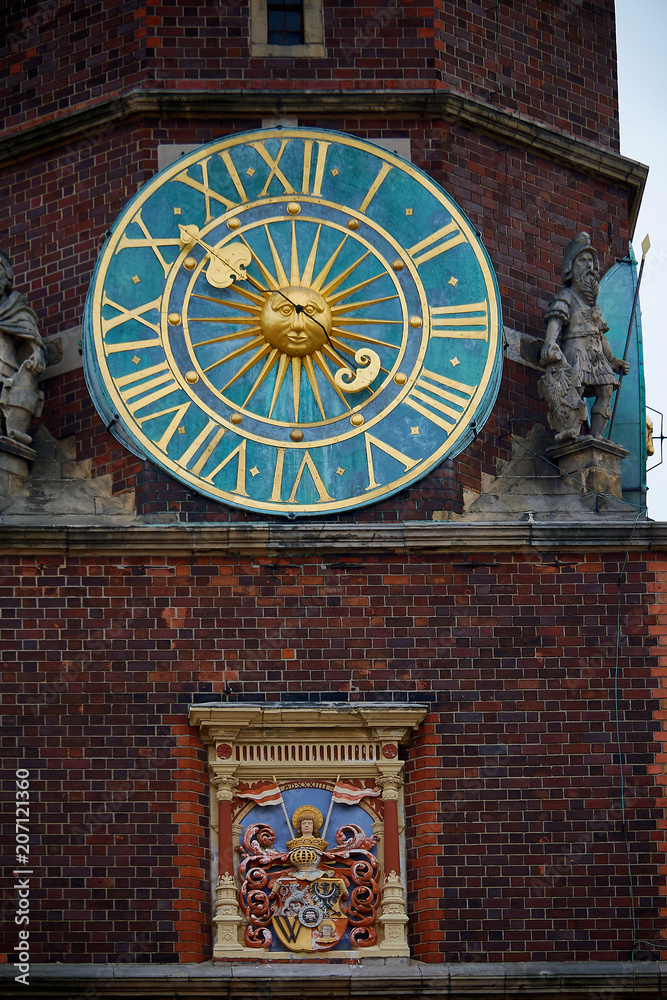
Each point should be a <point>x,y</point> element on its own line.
<point>293,321</point>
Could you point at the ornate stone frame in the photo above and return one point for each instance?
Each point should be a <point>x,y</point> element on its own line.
<point>250,742</point>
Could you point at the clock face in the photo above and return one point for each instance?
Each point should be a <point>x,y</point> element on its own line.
<point>293,321</point>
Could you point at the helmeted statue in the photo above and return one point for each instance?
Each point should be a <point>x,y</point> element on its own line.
<point>577,356</point>
<point>22,360</point>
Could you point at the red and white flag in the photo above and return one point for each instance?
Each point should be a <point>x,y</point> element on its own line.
<point>350,794</point>
<point>268,794</point>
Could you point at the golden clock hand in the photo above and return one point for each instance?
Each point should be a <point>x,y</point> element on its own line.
<point>186,236</point>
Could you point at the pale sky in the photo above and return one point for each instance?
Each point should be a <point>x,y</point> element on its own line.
<point>642,78</point>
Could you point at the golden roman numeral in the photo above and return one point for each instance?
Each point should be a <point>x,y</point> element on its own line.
<point>202,447</point>
<point>306,463</point>
<point>405,461</point>
<point>125,315</point>
<point>240,454</point>
<point>272,163</point>
<point>375,186</point>
<point>127,241</point>
<point>322,148</point>
<point>205,188</point>
<point>160,383</point>
<point>178,419</point>
<point>431,383</point>
<point>439,242</point>
<point>449,321</point>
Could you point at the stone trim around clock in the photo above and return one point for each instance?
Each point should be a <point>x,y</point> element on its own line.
<point>248,743</point>
<point>313,33</point>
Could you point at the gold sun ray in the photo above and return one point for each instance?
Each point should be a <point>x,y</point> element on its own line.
<point>280,378</point>
<point>343,276</point>
<point>355,288</point>
<point>322,276</point>
<point>257,356</point>
<point>322,365</point>
<point>218,319</point>
<point>361,305</point>
<point>277,263</point>
<point>268,277</point>
<point>231,305</point>
<point>351,335</point>
<point>296,384</point>
<point>294,262</point>
<point>307,276</point>
<point>248,332</point>
<point>328,351</point>
<point>239,350</point>
<point>312,378</point>
<point>257,299</point>
<point>349,321</point>
<point>266,368</point>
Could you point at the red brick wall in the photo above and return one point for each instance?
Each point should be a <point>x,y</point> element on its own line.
<point>516,847</point>
<point>554,61</point>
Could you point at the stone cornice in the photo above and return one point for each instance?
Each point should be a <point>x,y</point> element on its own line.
<point>480,116</point>
<point>381,979</point>
<point>174,540</point>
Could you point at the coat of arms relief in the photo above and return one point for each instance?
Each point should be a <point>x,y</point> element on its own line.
<point>308,830</point>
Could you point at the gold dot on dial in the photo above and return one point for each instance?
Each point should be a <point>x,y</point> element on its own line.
<point>352,223</point>
<point>233,223</point>
<point>189,263</point>
<point>415,321</point>
<point>236,418</point>
<point>174,318</point>
<point>293,208</point>
<point>400,378</point>
<point>356,419</point>
<point>398,265</point>
<point>296,435</point>
<point>191,377</point>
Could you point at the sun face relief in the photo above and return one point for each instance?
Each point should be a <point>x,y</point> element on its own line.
<point>271,330</point>
<point>296,321</point>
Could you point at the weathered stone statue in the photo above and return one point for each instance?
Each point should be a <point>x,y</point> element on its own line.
<point>577,356</point>
<point>22,360</point>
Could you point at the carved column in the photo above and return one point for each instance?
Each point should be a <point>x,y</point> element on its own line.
<point>225,783</point>
<point>391,782</point>
<point>393,918</point>
<point>227,919</point>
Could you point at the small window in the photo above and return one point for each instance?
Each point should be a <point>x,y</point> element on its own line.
<point>285,29</point>
<point>285,22</point>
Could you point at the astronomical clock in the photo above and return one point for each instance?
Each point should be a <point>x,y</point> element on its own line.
<point>293,321</point>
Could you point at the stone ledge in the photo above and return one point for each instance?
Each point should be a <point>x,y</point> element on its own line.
<point>481,116</point>
<point>346,539</point>
<point>381,979</point>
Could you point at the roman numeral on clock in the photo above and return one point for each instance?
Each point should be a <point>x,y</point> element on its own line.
<point>307,463</point>
<point>433,394</point>
<point>154,243</point>
<point>205,188</point>
<point>439,242</point>
<point>137,393</point>
<point>464,322</point>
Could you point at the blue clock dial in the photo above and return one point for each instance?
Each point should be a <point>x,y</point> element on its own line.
<point>293,321</point>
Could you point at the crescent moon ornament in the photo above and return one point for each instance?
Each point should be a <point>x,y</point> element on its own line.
<point>350,381</point>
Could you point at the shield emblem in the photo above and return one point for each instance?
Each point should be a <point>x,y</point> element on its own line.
<point>309,915</point>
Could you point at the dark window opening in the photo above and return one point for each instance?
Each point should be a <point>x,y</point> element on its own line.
<point>285,20</point>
